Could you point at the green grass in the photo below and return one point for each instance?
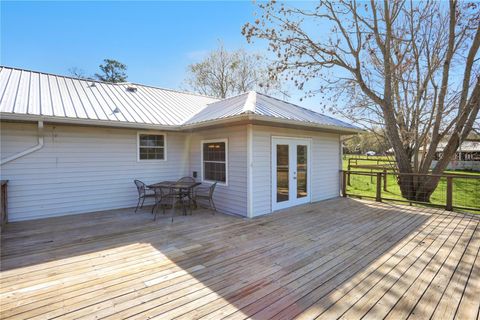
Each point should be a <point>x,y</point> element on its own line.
<point>466,191</point>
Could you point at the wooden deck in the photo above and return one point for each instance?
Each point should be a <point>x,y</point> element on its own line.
<point>341,258</point>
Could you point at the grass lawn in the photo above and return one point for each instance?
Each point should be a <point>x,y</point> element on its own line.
<point>466,192</point>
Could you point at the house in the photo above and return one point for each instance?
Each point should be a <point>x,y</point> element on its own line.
<point>467,156</point>
<point>71,146</point>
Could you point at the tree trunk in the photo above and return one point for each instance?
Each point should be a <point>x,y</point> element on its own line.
<point>417,187</point>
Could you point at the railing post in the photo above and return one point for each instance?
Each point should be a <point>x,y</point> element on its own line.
<point>385,180</point>
<point>344,184</point>
<point>378,197</point>
<point>348,169</point>
<point>449,204</point>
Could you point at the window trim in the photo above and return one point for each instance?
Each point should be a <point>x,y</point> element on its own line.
<point>157,133</point>
<point>202,142</point>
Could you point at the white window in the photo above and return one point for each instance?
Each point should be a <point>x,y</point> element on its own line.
<point>215,160</point>
<point>151,146</point>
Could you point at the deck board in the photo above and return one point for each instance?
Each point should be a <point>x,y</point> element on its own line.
<point>341,258</point>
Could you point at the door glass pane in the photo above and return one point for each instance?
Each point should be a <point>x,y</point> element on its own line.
<point>301,171</point>
<point>282,172</point>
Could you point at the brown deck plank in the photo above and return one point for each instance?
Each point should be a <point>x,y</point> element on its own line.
<point>341,257</point>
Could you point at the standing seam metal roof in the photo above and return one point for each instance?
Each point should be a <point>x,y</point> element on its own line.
<point>31,93</point>
<point>40,94</point>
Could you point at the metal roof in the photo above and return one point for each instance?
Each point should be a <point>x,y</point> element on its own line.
<point>40,94</point>
<point>31,95</point>
<point>263,105</point>
<point>466,146</point>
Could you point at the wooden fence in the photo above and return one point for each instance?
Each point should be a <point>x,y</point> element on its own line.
<point>444,194</point>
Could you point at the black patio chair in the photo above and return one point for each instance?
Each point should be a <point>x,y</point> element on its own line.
<point>206,193</point>
<point>143,192</point>
<point>168,197</point>
<point>188,193</point>
<point>186,179</point>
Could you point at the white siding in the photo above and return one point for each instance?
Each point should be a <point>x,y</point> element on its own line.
<point>325,160</point>
<point>80,169</point>
<point>233,197</point>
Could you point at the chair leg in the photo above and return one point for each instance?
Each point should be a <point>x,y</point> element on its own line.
<point>143,200</point>
<point>212,204</point>
<point>154,206</point>
<point>138,203</point>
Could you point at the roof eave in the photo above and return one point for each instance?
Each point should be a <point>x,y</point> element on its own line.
<point>89,122</point>
<point>185,127</point>
<point>267,119</point>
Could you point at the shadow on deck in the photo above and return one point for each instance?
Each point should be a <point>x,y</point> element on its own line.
<point>336,258</point>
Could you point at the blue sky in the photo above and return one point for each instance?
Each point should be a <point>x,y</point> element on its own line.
<point>156,40</point>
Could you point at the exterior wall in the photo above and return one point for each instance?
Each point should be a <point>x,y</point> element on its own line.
<point>84,169</point>
<point>233,197</point>
<point>325,162</point>
<point>460,165</point>
<point>80,169</point>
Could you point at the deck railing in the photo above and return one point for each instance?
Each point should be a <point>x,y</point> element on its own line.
<point>453,192</point>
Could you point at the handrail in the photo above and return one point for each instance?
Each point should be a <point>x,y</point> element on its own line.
<point>381,178</point>
<point>445,175</point>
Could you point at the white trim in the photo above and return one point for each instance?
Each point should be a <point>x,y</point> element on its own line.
<point>219,183</point>
<point>250,171</point>
<point>182,127</point>
<point>156,133</point>
<point>291,202</point>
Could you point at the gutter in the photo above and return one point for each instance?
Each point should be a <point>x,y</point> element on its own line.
<point>35,148</point>
<point>249,117</point>
<point>266,119</point>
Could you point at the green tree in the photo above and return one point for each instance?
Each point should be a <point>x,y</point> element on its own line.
<point>112,71</point>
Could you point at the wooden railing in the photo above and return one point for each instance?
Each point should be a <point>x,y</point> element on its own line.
<point>454,191</point>
<point>384,164</point>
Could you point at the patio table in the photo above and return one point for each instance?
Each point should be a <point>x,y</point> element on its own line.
<point>180,186</point>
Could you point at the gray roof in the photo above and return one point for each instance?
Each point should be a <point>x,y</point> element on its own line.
<point>466,146</point>
<point>40,94</point>
<point>262,105</point>
<point>31,95</point>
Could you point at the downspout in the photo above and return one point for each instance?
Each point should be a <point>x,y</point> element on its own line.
<point>37,147</point>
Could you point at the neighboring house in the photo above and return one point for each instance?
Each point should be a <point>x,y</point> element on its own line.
<point>467,156</point>
<point>71,146</point>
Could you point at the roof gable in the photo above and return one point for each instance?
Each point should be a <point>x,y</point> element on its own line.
<point>263,105</point>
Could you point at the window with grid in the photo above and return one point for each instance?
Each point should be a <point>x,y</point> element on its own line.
<point>215,161</point>
<point>151,146</point>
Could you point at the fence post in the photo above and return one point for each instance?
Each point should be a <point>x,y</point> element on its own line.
<point>344,184</point>
<point>385,180</point>
<point>449,204</point>
<point>378,198</point>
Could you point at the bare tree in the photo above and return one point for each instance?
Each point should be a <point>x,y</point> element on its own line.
<point>224,73</point>
<point>409,67</point>
<point>77,72</point>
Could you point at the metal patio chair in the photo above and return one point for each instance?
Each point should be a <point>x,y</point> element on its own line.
<point>169,197</point>
<point>188,194</point>
<point>206,193</point>
<point>143,192</point>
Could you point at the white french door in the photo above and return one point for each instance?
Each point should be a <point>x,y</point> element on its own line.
<point>290,172</point>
